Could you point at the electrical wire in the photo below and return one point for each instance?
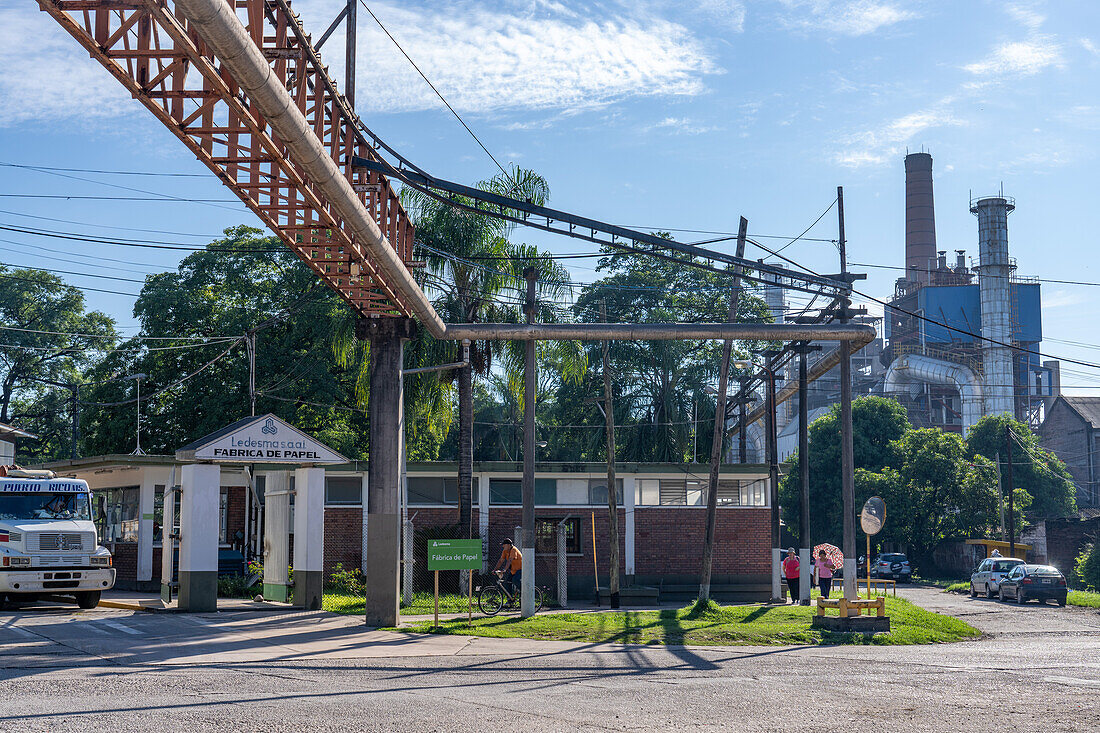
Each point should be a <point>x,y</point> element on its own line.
<point>53,169</point>
<point>173,385</point>
<point>106,226</point>
<point>434,89</point>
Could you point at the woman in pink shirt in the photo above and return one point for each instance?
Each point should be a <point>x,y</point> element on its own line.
<point>824,567</point>
<point>790,572</point>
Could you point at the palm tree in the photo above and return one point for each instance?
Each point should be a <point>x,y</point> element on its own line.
<point>476,274</point>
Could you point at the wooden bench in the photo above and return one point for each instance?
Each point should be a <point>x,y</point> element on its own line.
<point>886,584</point>
<point>852,608</point>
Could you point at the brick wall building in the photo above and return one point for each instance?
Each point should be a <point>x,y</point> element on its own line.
<point>661,517</point>
<point>1071,431</point>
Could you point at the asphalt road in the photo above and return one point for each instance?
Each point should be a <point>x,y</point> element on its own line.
<point>63,669</point>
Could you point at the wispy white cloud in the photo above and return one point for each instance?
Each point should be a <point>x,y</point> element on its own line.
<point>844,17</point>
<point>1090,46</point>
<point>684,126</point>
<point>513,56</point>
<point>727,14</point>
<point>1019,58</point>
<point>1063,299</point>
<point>47,76</point>
<point>1026,14</point>
<point>879,145</point>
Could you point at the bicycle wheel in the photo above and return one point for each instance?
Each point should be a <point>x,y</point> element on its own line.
<point>540,598</point>
<point>490,600</point>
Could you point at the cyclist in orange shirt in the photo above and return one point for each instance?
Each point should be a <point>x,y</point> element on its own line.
<point>512,560</point>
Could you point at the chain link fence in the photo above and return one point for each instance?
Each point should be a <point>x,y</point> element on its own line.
<point>549,564</point>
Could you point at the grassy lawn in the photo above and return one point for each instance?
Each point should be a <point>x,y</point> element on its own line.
<point>1083,598</point>
<point>721,625</point>
<point>957,587</point>
<point>423,603</point>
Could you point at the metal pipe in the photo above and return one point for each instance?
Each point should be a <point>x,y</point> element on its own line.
<point>217,24</point>
<point>527,487</point>
<point>857,334</point>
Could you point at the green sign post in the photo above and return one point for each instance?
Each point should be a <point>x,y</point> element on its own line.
<point>454,555</point>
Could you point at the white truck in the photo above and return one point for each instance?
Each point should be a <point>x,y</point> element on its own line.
<point>48,540</point>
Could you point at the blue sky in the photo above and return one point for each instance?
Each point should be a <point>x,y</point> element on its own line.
<point>652,114</point>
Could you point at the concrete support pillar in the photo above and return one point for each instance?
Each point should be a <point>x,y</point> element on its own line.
<point>199,521</point>
<point>146,499</point>
<point>366,507</point>
<point>387,338</point>
<point>629,499</point>
<point>777,573</point>
<point>277,536</point>
<point>805,574</point>
<point>481,483</point>
<point>309,537</point>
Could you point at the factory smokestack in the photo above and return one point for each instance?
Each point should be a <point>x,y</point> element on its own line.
<point>995,289</point>
<point>920,216</point>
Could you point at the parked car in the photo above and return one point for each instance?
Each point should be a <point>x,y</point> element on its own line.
<point>1041,582</point>
<point>989,573</point>
<point>892,565</point>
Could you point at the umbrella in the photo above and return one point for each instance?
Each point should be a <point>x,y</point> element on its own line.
<point>832,552</point>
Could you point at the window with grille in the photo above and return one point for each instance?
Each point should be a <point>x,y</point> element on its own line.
<point>546,539</point>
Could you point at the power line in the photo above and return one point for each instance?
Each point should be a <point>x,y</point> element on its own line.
<point>102,336</point>
<point>71,197</point>
<point>173,385</point>
<point>70,272</point>
<point>437,92</point>
<point>52,169</point>
<point>1001,277</point>
<point>75,287</point>
<point>105,226</point>
<point>126,242</point>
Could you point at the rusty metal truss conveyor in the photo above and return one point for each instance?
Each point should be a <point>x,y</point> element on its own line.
<point>165,63</point>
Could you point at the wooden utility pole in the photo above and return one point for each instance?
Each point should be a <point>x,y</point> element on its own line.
<point>719,437</point>
<point>1011,490</point>
<point>847,458</point>
<point>612,499</point>
<point>527,488</point>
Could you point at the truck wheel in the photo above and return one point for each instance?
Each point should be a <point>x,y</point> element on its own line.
<point>4,606</point>
<point>88,599</point>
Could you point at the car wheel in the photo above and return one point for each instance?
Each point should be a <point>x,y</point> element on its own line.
<point>1020,597</point>
<point>1001,594</point>
<point>1062,602</point>
<point>973,591</point>
<point>988,591</point>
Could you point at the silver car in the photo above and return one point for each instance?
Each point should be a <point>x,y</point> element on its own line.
<point>988,575</point>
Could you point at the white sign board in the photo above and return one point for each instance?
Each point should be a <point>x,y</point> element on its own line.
<point>265,439</point>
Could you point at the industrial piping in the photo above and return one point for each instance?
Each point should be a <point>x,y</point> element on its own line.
<point>218,25</point>
<point>858,334</point>
<point>916,368</point>
<point>221,29</point>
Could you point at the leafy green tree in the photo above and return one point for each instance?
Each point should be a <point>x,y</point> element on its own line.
<point>1039,471</point>
<point>1086,572</point>
<point>476,274</point>
<point>933,492</point>
<point>876,424</point>
<point>242,283</point>
<point>49,341</point>
<point>659,385</point>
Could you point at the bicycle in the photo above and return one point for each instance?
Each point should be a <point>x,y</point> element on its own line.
<point>492,598</point>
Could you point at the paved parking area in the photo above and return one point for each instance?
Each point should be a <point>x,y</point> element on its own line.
<point>111,670</point>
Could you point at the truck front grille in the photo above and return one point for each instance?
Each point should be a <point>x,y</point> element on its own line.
<point>60,541</point>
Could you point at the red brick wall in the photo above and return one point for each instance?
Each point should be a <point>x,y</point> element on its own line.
<point>234,520</point>
<point>668,541</point>
<point>343,538</point>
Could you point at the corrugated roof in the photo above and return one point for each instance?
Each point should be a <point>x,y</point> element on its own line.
<point>1086,407</point>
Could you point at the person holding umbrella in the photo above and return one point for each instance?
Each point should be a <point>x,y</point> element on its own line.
<point>824,568</point>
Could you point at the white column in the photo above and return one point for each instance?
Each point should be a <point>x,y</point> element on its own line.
<point>309,537</point>
<point>629,499</point>
<point>276,535</point>
<point>805,574</point>
<point>483,517</point>
<point>201,488</point>
<point>366,502</point>
<point>146,499</point>
<point>777,575</point>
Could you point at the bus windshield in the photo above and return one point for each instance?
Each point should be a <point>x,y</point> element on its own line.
<point>68,505</point>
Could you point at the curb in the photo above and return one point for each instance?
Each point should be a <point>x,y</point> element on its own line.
<point>128,606</point>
